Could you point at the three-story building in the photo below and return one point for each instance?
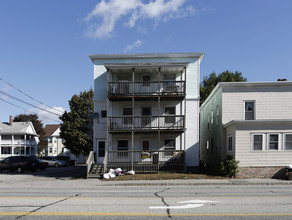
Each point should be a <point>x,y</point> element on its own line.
<point>147,111</point>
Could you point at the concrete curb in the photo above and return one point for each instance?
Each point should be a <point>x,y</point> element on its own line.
<point>196,183</point>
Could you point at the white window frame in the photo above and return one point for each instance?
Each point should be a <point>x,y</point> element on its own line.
<point>212,117</point>
<point>268,142</point>
<point>217,114</point>
<point>254,109</point>
<point>228,146</point>
<point>284,142</point>
<point>263,142</point>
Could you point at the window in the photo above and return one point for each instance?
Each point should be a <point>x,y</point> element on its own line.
<point>103,113</point>
<point>145,145</point>
<point>212,117</point>
<point>6,137</point>
<point>6,150</point>
<point>18,137</point>
<point>249,110</point>
<point>18,150</point>
<point>208,121</point>
<point>127,113</point>
<point>170,114</point>
<point>288,142</point>
<point>273,142</point>
<point>101,148</point>
<point>169,147</point>
<point>50,150</point>
<point>211,145</point>
<point>207,147</point>
<point>123,146</point>
<point>146,80</point>
<point>257,142</point>
<point>230,143</point>
<point>146,117</point>
<point>217,114</point>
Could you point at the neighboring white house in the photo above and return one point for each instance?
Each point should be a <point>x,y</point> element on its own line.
<point>18,138</point>
<point>147,110</point>
<point>252,121</point>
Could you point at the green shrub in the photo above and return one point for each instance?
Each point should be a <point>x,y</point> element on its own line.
<point>229,166</point>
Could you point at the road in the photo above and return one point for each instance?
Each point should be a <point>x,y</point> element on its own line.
<point>41,197</point>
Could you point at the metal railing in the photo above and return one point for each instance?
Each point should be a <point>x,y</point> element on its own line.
<point>146,122</point>
<point>146,88</point>
<point>90,161</point>
<point>146,157</point>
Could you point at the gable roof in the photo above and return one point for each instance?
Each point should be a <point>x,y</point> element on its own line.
<point>50,129</point>
<point>17,128</point>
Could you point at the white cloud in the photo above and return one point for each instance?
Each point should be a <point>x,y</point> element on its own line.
<point>46,117</point>
<point>102,20</point>
<point>135,45</point>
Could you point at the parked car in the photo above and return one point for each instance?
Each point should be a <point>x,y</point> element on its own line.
<point>52,161</point>
<point>67,159</point>
<point>22,163</point>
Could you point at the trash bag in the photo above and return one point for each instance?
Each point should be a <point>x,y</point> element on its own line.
<point>118,171</point>
<point>106,176</point>
<point>131,172</point>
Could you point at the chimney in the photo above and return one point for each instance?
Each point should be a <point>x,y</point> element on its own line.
<point>10,120</point>
<point>282,80</point>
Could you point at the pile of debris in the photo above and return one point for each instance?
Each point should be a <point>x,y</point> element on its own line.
<point>117,172</point>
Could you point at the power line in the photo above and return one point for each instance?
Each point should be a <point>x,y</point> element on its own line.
<point>30,96</point>
<point>4,93</point>
<point>13,104</point>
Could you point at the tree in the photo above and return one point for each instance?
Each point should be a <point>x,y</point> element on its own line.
<point>76,129</point>
<point>209,82</point>
<point>38,126</point>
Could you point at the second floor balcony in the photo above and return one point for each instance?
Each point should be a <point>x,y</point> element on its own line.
<point>146,89</point>
<point>146,123</point>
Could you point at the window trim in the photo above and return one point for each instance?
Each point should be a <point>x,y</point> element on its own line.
<point>263,142</point>
<point>254,109</point>
<point>228,145</point>
<point>268,142</point>
<point>284,141</point>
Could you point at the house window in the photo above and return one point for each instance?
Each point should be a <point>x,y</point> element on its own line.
<point>6,137</point>
<point>6,150</point>
<point>230,147</point>
<point>18,137</point>
<point>18,150</point>
<point>257,142</point>
<point>273,142</point>
<point>212,145</point>
<point>101,148</point>
<point>169,147</point>
<point>127,113</point>
<point>170,115</point>
<point>217,114</point>
<point>207,147</point>
<point>50,150</point>
<point>103,113</point>
<point>249,110</point>
<point>212,117</point>
<point>123,148</point>
<point>208,121</point>
<point>288,142</point>
<point>146,80</point>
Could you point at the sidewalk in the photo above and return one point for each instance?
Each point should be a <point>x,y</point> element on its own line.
<point>198,182</point>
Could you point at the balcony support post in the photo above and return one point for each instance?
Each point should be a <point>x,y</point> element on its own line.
<point>158,135</point>
<point>106,156</point>
<point>133,118</point>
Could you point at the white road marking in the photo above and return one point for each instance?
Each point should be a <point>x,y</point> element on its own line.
<point>192,204</point>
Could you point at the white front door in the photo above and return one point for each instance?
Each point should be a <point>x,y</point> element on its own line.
<point>100,151</point>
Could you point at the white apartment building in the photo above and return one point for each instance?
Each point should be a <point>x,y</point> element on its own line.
<point>147,111</point>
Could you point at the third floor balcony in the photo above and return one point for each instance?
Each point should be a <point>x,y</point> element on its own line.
<point>164,89</point>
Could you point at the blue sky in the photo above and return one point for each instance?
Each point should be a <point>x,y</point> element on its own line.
<point>44,45</point>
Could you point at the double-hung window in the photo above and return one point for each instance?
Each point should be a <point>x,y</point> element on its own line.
<point>169,147</point>
<point>249,110</point>
<point>230,143</point>
<point>288,142</point>
<point>257,142</point>
<point>273,143</point>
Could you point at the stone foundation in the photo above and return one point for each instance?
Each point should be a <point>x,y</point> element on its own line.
<point>261,172</point>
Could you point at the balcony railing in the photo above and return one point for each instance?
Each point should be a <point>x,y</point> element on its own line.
<point>146,122</point>
<point>146,88</point>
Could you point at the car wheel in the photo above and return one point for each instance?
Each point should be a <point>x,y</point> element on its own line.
<point>56,165</point>
<point>19,170</point>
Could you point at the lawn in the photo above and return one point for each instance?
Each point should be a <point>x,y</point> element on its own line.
<point>163,176</point>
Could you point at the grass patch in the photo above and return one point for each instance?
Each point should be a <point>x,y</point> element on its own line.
<point>163,176</point>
